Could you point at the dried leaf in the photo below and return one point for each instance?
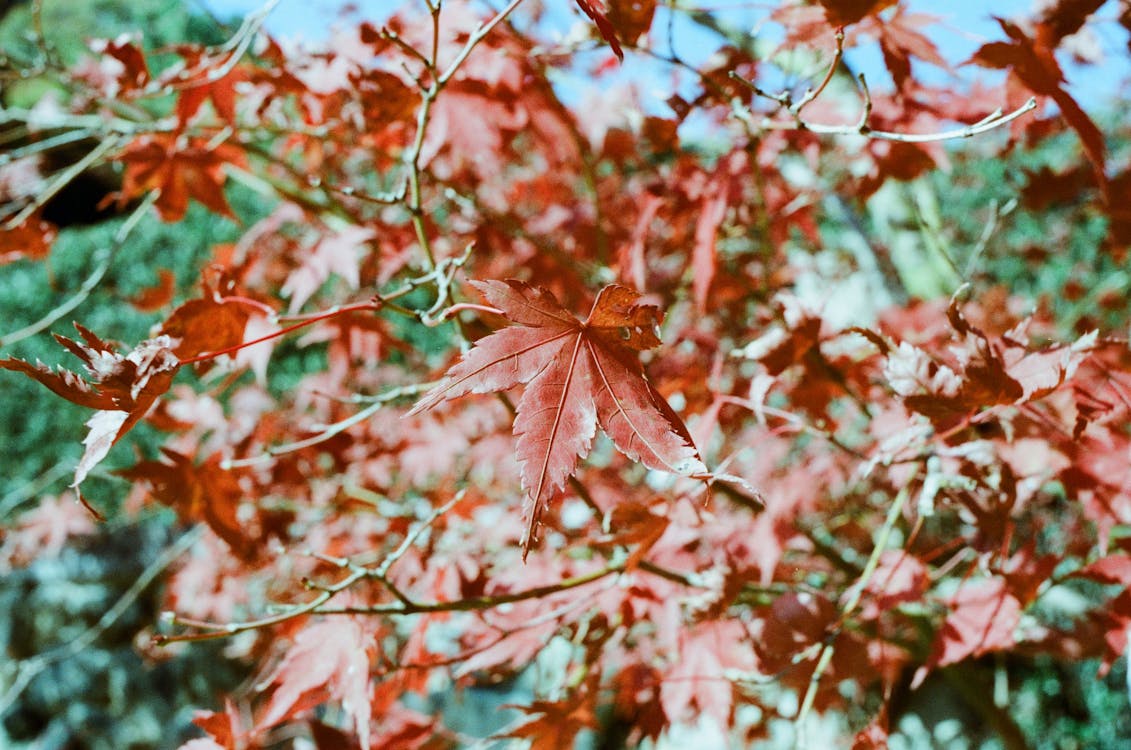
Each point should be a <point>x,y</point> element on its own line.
<point>123,388</point>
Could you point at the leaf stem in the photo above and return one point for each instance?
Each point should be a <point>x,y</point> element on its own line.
<point>371,305</point>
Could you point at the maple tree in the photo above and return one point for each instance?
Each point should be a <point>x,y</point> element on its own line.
<point>376,408</point>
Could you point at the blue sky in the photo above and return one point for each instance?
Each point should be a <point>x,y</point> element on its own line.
<point>965,25</point>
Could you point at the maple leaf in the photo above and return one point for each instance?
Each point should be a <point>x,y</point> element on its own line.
<point>42,531</point>
<point>206,325</point>
<point>603,25</point>
<point>704,255</point>
<point>695,682</point>
<point>125,62</point>
<point>197,82</point>
<point>124,388</point>
<point>982,618</point>
<point>32,239</point>
<point>1033,64</point>
<point>578,374</point>
<point>900,40</point>
<point>206,493</point>
<point>340,253</point>
<point>329,660</point>
<point>559,723</point>
<point>1111,569</point>
<point>845,12</point>
<point>213,325</point>
<point>153,298</point>
<point>181,168</point>
<point>631,18</point>
<point>224,730</point>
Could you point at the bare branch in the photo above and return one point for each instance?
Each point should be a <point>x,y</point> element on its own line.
<point>995,120</point>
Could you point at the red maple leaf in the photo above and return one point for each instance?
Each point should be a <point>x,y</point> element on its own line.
<point>181,168</point>
<point>123,388</point>
<point>845,12</point>
<point>589,8</point>
<point>204,492</point>
<point>982,618</point>
<point>206,325</point>
<point>132,71</point>
<point>631,18</point>
<point>1034,65</point>
<point>197,82</point>
<point>578,375</point>
<point>329,660</point>
<point>31,239</point>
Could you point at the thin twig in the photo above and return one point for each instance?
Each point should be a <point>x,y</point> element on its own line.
<point>326,591</point>
<point>995,120</point>
<point>855,595</point>
<point>31,488</point>
<point>325,432</point>
<point>476,37</point>
<point>382,571</point>
<point>481,602</point>
<point>812,94</point>
<point>61,180</point>
<point>213,630</point>
<point>46,144</point>
<point>92,281</point>
<point>235,48</point>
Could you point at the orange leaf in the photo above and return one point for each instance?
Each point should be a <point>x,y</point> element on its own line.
<point>153,298</point>
<point>32,240</point>
<point>181,168</point>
